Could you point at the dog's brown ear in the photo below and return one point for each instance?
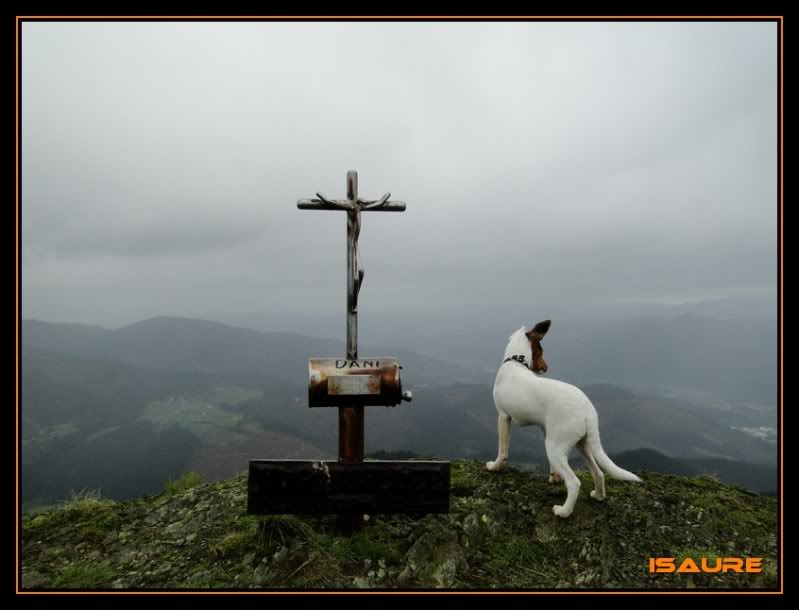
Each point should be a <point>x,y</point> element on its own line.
<point>539,330</point>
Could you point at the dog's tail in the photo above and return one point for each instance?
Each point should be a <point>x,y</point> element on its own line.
<point>602,459</point>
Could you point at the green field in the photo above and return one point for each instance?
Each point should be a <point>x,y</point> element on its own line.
<point>232,395</point>
<point>39,444</point>
<point>202,415</point>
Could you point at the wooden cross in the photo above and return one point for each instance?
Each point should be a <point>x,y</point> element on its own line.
<point>351,419</point>
<point>350,486</point>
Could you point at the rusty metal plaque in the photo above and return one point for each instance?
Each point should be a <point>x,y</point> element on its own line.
<point>350,382</point>
<point>353,385</point>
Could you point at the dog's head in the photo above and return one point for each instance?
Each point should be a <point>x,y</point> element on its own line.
<point>535,336</point>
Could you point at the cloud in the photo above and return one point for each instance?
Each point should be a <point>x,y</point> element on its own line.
<point>190,229</point>
<point>582,161</point>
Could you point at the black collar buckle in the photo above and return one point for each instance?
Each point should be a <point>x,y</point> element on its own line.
<point>521,359</point>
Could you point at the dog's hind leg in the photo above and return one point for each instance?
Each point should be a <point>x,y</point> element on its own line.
<point>559,462</point>
<point>596,473</point>
<point>503,429</point>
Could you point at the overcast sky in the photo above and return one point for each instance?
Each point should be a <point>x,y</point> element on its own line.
<point>566,162</point>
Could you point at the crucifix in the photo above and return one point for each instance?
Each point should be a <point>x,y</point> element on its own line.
<point>351,418</point>
<point>350,486</point>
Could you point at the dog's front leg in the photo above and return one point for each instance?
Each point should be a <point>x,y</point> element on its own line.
<point>554,477</point>
<point>503,429</point>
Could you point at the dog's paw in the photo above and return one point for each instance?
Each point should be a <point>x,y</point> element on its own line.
<point>554,478</point>
<point>596,496</point>
<point>496,466</point>
<point>560,511</point>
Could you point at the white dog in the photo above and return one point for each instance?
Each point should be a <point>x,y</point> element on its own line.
<point>561,410</point>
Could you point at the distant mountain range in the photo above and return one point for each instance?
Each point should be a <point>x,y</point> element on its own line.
<point>126,409</point>
<point>734,359</point>
<point>169,343</point>
<point>722,347</point>
<point>756,477</point>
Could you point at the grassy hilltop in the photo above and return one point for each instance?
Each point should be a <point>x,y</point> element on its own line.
<point>500,533</point>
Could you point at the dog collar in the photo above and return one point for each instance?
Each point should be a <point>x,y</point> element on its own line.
<point>521,359</point>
